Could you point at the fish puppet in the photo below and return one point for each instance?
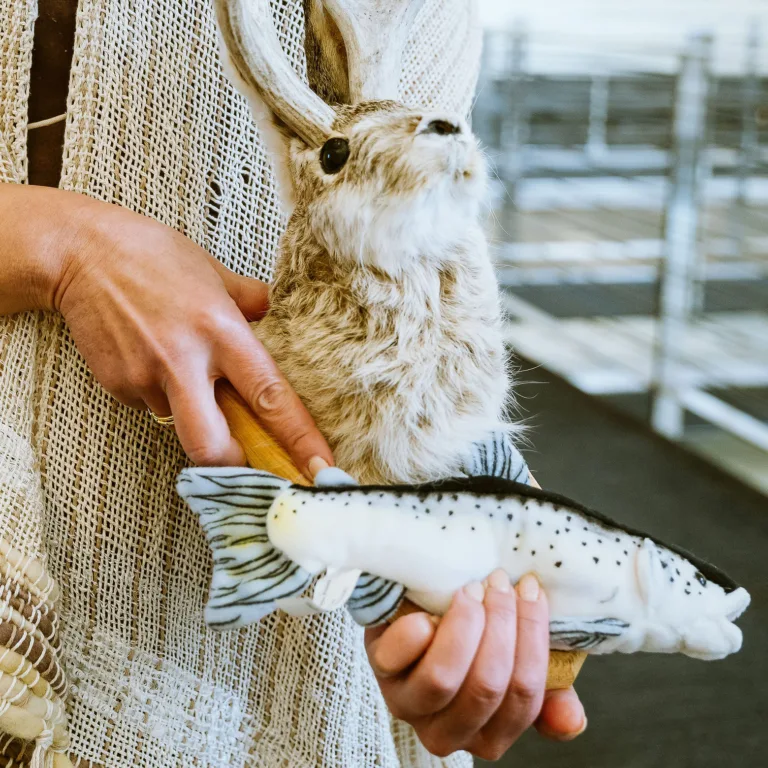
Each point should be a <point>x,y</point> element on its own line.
<point>610,588</point>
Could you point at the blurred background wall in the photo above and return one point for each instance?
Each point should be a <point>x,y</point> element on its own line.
<point>629,146</point>
<point>628,142</point>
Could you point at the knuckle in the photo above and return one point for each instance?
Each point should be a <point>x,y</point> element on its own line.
<point>490,752</point>
<point>206,455</point>
<point>437,683</point>
<point>527,689</point>
<point>271,396</point>
<point>437,744</point>
<point>487,692</point>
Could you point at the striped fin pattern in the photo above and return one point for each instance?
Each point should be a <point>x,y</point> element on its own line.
<point>497,457</point>
<point>374,600</point>
<point>249,574</point>
<point>583,634</point>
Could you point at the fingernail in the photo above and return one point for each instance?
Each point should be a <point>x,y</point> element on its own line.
<point>499,580</point>
<point>528,588</point>
<point>583,727</point>
<point>316,464</point>
<point>475,591</point>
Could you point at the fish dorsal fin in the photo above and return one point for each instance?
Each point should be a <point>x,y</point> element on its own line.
<point>496,457</point>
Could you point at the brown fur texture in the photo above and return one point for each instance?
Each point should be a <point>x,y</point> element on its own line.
<point>385,314</point>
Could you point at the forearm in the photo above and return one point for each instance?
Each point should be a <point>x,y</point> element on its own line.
<point>40,228</point>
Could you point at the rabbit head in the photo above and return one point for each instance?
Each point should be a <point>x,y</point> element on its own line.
<point>377,182</point>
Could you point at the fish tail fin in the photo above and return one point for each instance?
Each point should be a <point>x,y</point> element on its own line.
<point>249,573</point>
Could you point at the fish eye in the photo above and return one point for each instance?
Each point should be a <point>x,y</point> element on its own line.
<point>334,154</point>
<point>699,576</point>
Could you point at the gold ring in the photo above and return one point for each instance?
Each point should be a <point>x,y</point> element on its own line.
<point>163,421</point>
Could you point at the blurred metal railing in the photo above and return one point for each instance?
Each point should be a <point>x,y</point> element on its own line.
<point>687,195</point>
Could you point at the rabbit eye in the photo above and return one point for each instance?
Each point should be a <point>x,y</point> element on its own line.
<point>334,154</point>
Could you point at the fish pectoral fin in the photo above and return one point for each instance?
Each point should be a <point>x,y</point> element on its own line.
<point>496,457</point>
<point>374,600</point>
<point>580,634</point>
<point>333,476</point>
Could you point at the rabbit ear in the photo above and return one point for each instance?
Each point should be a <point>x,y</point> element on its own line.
<point>261,70</point>
<point>366,39</point>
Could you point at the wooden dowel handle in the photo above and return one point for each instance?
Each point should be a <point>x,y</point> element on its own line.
<point>263,452</point>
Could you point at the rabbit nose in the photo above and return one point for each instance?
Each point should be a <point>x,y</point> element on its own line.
<point>442,128</point>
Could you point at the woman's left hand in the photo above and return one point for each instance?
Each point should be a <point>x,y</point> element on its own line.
<point>475,680</point>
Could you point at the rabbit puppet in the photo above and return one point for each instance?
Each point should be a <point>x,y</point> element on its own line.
<point>384,312</point>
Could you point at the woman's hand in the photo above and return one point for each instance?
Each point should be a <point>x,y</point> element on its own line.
<point>475,681</point>
<point>158,321</point>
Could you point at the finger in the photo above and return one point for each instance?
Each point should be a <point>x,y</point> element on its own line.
<point>525,695</point>
<point>488,680</point>
<point>250,295</point>
<point>391,650</point>
<point>562,715</point>
<point>436,679</point>
<point>157,402</point>
<point>253,373</point>
<point>200,425</point>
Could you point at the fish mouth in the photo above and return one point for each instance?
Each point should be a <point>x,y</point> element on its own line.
<point>737,602</point>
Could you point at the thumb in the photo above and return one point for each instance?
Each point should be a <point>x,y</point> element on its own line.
<point>250,295</point>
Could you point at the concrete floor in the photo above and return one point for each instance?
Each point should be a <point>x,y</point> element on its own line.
<point>648,711</point>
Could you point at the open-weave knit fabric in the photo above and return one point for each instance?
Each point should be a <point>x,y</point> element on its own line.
<point>87,486</point>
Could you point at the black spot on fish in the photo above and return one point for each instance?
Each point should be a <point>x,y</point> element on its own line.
<point>558,563</point>
<point>439,496</point>
<point>294,511</point>
<point>687,592</point>
<point>490,514</point>
<point>599,541</point>
<point>515,548</point>
<point>455,497</point>
<point>557,532</point>
<point>687,583</point>
<point>596,559</point>
<point>381,495</point>
<point>626,553</point>
<point>396,504</point>
<point>517,535</point>
<point>533,551</point>
<point>473,527</point>
<point>509,517</point>
<point>556,507</point>
<point>551,546</point>
<point>427,511</point>
<point>567,530</point>
<point>450,512</point>
<point>417,517</point>
<point>346,503</point>
<point>477,506</point>
<point>583,543</point>
<point>585,528</point>
<point>568,518</point>
<point>443,528</point>
<point>663,564</point>
<point>618,539</point>
<point>538,522</point>
<point>618,562</point>
<point>677,572</point>
<point>413,506</point>
<point>369,503</point>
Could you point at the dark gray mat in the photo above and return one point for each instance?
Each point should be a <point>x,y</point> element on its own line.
<point>653,711</point>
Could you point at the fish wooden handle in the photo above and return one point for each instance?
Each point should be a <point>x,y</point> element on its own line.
<point>263,452</point>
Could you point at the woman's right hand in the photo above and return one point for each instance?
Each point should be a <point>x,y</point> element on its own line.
<point>158,321</point>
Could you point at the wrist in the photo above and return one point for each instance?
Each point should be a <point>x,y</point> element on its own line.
<point>40,231</point>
